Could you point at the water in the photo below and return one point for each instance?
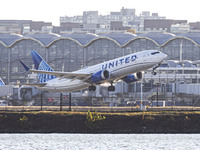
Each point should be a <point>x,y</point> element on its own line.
<point>100,141</point>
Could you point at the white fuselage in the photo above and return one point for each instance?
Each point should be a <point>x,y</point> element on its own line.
<point>117,68</point>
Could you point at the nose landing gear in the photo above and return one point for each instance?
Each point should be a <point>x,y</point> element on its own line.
<point>153,72</point>
<point>154,68</point>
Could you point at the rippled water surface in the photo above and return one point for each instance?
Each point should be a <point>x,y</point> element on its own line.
<point>100,141</point>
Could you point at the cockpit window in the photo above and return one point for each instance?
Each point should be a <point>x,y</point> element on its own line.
<point>154,53</point>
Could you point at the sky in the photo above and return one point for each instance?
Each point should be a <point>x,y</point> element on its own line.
<point>51,10</point>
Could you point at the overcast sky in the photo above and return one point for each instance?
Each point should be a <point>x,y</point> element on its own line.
<point>51,10</point>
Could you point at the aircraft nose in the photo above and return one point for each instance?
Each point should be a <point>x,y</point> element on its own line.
<point>164,56</point>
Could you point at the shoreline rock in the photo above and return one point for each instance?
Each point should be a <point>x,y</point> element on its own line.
<point>66,122</point>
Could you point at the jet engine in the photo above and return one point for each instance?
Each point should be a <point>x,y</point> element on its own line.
<point>100,76</point>
<point>133,77</point>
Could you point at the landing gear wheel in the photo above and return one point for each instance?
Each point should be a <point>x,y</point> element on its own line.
<point>154,73</point>
<point>111,88</point>
<point>92,88</point>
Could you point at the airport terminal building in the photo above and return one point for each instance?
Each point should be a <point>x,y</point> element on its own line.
<point>177,76</point>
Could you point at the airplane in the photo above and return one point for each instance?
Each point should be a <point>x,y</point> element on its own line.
<point>126,68</point>
<point>1,82</point>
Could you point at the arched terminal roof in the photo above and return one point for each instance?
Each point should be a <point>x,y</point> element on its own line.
<point>9,39</point>
<point>194,36</point>
<point>158,37</point>
<point>84,39</point>
<point>186,63</point>
<point>183,63</point>
<point>171,63</point>
<point>120,38</point>
<point>44,39</point>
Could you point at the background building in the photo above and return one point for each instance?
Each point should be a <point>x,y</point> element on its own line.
<point>24,26</point>
<point>92,22</point>
<point>161,25</point>
<point>126,18</point>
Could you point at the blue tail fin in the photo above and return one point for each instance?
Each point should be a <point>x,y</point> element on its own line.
<point>1,82</point>
<point>40,64</point>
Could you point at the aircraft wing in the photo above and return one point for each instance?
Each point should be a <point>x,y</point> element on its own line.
<point>68,75</point>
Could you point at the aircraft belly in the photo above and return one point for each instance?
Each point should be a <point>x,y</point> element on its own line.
<point>66,87</point>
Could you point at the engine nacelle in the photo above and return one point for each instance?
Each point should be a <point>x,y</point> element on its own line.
<point>100,76</point>
<point>133,77</point>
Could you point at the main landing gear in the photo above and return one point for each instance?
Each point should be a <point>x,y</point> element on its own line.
<point>92,88</point>
<point>111,88</point>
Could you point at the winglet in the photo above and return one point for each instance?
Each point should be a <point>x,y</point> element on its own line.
<point>25,67</point>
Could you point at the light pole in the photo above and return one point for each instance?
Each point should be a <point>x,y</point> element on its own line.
<point>41,100</point>
<point>141,105</point>
<point>61,95</point>
<point>70,101</point>
<point>174,92</point>
<point>157,95</point>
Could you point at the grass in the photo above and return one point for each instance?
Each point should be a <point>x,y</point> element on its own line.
<point>66,113</point>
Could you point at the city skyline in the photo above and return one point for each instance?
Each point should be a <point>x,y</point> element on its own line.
<point>50,11</point>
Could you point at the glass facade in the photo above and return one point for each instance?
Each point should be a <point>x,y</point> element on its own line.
<point>21,51</point>
<point>4,62</point>
<point>101,50</point>
<point>140,44</point>
<point>67,54</point>
<point>190,50</point>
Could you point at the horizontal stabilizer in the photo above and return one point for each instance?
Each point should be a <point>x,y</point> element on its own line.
<point>31,84</point>
<point>25,67</point>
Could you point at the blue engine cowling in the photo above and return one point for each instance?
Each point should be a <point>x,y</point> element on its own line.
<point>133,77</point>
<point>100,76</point>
